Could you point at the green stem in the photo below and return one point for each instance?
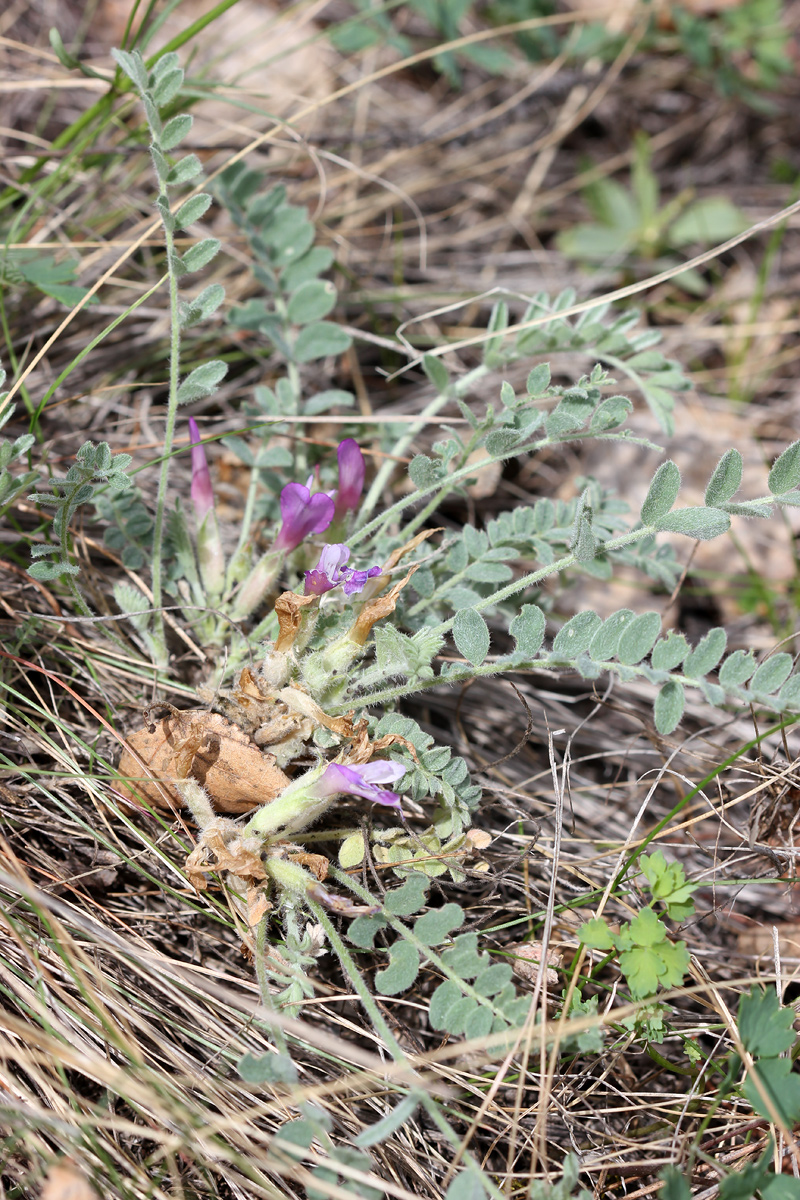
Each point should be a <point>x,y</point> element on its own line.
<point>561,564</point>
<point>238,557</point>
<point>354,975</point>
<point>401,446</point>
<point>352,972</point>
<point>262,975</point>
<point>159,636</point>
<point>424,950</point>
<point>441,488</point>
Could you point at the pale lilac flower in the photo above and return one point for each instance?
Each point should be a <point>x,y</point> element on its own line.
<point>202,493</point>
<point>351,477</point>
<point>331,571</point>
<point>210,556</point>
<point>302,514</point>
<point>363,781</point>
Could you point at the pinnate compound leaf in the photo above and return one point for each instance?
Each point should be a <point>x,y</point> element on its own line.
<point>362,931</point>
<point>612,413</point>
<point>668,707</point>
<point>576,636</point>
<point>319,340</point>
<point>202,381</point>
<point>424,473</point>
<point>459,1014</point>
<point>394,1120</point>
<point>785,473</point>
<point>203,305</point>
<point>194,208</point>
<point>527,628</point>
<point>463,956</point>
<point>479,1023</point>
<point>267,1068</point>
<point>737,668</point>
<point>605,643</point>
<point>493,979</point>
<point>200,254</point>
<point>175,130</point>
<point>703,524</point>
<point>706,654</point>
<point>538,380</point>
<point>789,695</point>
<point>185,170</point>
<point>401,972</point>
<point>352,851</point>
<point>435,926</point>
<point>772,674</point>
<point>408,899</point>
<point>311,301</point>
<point>48,571</point>
<point>443,999</point>
<point>669,652</point>
<point>638,638</point>
<point>436,371</point>
<point>765,1027</point>
<point>584,543</point>
<point>168,86</point>
<point>133,66</point>
<point>662,493</point>
<point>725,480</point>
<point>471,636</point>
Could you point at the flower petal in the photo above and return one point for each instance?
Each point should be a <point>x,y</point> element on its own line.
<point>351,476</point>
<point>363,780</point>
<point>202,492</point>
<point>301,515</point>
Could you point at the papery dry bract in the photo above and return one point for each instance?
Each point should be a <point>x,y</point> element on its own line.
<point>220,756</point>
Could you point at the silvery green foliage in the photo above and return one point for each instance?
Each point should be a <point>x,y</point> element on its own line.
<point>130,525</point>
<point>459,576</point>
<point>94,465</point>
<point>10,452</point>
<point>297,300</point>
<point>615,342</point>
<point>477,996</point>
<point>435,772</point>
<point>158,90</point>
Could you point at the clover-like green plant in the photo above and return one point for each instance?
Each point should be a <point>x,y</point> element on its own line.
<point>631,224</point>
<point>648,957</point>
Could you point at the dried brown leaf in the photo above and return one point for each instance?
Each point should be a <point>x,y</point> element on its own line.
<point>213,751</point>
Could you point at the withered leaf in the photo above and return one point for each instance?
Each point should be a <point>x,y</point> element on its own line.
<point>235,773</point>
<point>289,611</point>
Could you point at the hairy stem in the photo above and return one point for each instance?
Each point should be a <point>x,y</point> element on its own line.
<point>159,636</point>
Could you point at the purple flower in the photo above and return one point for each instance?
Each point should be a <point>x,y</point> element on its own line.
<point>202,493</point>
<point>351,477</point>
<point>331,571</point>
<point>302,514</point>
<point>362,781</point>
<point>210,556</point>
